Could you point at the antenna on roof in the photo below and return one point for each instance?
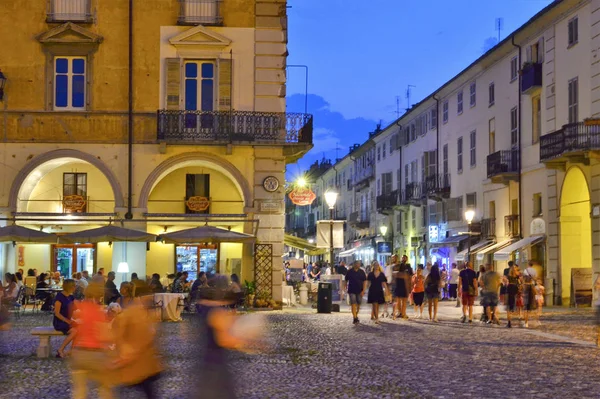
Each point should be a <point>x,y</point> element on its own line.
<point>408,97</point>
<point>337,149</point>
<point>499,27</point>
<point>397,107</point>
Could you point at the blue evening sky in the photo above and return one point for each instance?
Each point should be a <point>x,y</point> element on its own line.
<point>363,54</point>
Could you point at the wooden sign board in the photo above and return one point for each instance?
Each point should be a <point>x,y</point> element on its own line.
<point>581,286</point>
<point>302,196</point>
<point>197,203</point>
<point>73,203</point>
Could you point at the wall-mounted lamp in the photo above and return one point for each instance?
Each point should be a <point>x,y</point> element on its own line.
<point>2,83</point>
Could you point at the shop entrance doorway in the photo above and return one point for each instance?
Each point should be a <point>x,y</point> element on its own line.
<point>197,258</point>
<point>69,259</point>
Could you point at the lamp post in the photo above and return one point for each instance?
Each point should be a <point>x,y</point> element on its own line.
<point>469,215</point>
<point>331,198</point>
<point>2,83</point>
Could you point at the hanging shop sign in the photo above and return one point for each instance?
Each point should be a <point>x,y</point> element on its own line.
<point>433,233</point>
<point>302,196</point>
<point>73,203</point>
<point>197,203</point>
<point>384,248</point>
<point>537,227</point>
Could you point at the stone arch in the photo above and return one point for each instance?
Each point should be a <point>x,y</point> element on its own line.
<point>196,158</point>
<point>16,189</point>
<point>575,228</point>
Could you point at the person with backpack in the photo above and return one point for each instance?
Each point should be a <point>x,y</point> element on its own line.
<point>467,286</point>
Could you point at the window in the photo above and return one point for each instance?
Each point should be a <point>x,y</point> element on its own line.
<point>491,94</point>
<point>71,10</point>
<point>197,185</point>
<point>472,147</point>
<point>471,200</point>
<point>573,100</point>
<point>445,112</point>
<point>386,186</point>
<point>378,153</point>
<point>398,178</point>
<point>537,204</point>
<point>406,223</point>
<point>200,12</point>
<point>473,94</point>
<point>459,102</point>
<point>454,209</point>
<point>383,150</point>
<point>393,140</point>
<point>514,68</point>
<point>424,215</point>
<point>459,154</point>
<point>406,174</point>
<point>414,165</point>
<point>536,119</point>
<point>573,31</point>
<point>199,90</point>
<point>399,222</point>
<point>69,83</point>
<point>423,168</point>
<point>514,127</point>
<point>433,118</point>
<point>413,132</point>
<point>492,135</point>
<point>75,184</point>
<point>445,158</point>
<point>414,218</point>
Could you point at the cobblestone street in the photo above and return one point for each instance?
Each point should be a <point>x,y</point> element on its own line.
<point>317,356</point>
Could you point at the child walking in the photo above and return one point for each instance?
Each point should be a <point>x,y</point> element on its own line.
<point>539,299</point>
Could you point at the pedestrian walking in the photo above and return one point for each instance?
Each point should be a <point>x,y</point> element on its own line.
<point>356,283</point>
<point>444,276</point>
<point>454,272</point>
<point>503,288</point>
<point>490,284</point>
<point>433,283</point>
<point>390,285</point>
<point>377,285</point>
<point>402,274</point>
<point>512,282</point>
<point>529,302</point>
<point>467,286</point>
<point>418,292</point>
<point>540,291</point>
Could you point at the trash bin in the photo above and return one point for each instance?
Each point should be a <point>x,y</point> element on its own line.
<point>324,294</point>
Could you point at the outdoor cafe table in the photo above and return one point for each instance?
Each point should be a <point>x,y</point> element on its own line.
<point>170,310</point>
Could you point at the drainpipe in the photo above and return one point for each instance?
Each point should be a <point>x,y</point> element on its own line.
<point>519,140</point>
<point>437,133</point>
<point>129,214</point>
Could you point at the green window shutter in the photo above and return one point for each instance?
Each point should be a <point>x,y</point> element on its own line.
<point>173,83</point>
<point>224,85</point>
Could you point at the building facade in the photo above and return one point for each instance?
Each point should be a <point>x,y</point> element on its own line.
<point>136,108</point>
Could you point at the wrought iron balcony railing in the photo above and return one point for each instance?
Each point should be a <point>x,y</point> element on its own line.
<point>502,162</point>
<point>412,193</point>
<point>531,77</point>
<point>488,228</point>
<point>511,226</point>
<point>363,176</point>
<point>200,12</point>
<point>241,126</point>
<point>572,138</point>
<point>436,185</point>
<point>387,201</point>
<point>69,10</point>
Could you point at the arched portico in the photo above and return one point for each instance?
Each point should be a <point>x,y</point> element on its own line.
<point>196,159</point>
<point>28,177</point>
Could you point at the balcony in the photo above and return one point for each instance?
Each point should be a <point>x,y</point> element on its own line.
<point>386,202</point>
<point>531,77</point>
<point>511,226</point>
<point>411,194</point>
<point>503,166</point>
<point>488,229</point>
<point>200,127</point>
<point>358,221</point>
<point>200,12</point>
<point>436,186</point>
<point>362,177</point>
<point>69,11</point>
<point>571,143</point>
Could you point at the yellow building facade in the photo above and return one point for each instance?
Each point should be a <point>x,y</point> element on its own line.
<point>185,99</point>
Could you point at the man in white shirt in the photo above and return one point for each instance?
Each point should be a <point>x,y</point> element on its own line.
<point>454,273</point>
<point>390,283</point>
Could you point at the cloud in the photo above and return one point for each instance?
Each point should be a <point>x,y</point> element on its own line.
<point>331,130</point>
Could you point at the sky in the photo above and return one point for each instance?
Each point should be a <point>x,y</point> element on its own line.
<point>362,55</point>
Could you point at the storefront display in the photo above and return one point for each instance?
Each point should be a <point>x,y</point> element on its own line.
<point>197,258</point>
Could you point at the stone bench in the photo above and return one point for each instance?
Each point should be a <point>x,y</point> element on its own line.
<point>44,333</point>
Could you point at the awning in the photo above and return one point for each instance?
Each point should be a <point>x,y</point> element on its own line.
<point>504,253</point>
<point>460,257</point>
<point>450,241</point>
<point>348,253</point>
<point>301,243</point>
<point>109,233</point>
<point>209,234</point>
<point>16,233</point>
<point>491,249</point>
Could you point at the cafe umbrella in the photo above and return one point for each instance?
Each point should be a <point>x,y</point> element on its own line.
<point>109,233</point>
<point>206,234</point>
<point>15,233</point>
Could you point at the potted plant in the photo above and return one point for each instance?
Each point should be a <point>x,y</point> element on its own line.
<point>250,290</point>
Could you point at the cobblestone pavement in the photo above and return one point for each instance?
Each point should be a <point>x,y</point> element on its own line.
<point>317,356</point>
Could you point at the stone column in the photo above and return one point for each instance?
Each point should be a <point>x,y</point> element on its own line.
<point>595,202</point>
<point>553,243</point>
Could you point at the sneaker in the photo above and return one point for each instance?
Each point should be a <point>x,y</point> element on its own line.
<point>488,322</point>
<point>463,319</point>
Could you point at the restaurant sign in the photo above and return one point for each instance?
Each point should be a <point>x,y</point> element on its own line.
<point>302,196</point>
<point>197,203</point>
<point>73,203</point>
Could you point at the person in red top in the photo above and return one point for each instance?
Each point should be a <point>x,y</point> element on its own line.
<point>90,361</point>
<point>418,291</point>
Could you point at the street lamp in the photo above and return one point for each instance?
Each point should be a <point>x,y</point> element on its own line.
<point>330,199</point>
<point>2,83</point>
<point>383,230</point>
<point>469,215</point>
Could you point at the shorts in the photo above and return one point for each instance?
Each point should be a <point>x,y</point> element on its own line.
<point>400,291</point>
<point>489,299</point>
<point>468,300</point>
<point>418,298</point>
<point>355,299</point>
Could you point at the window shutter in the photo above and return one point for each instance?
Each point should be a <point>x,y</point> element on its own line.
<point>173,83</point>
<point>225,85</point>
<point>528,56</point>
<point>541,50</point>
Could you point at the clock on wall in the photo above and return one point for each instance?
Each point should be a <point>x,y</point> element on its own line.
<point>271,183</point>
